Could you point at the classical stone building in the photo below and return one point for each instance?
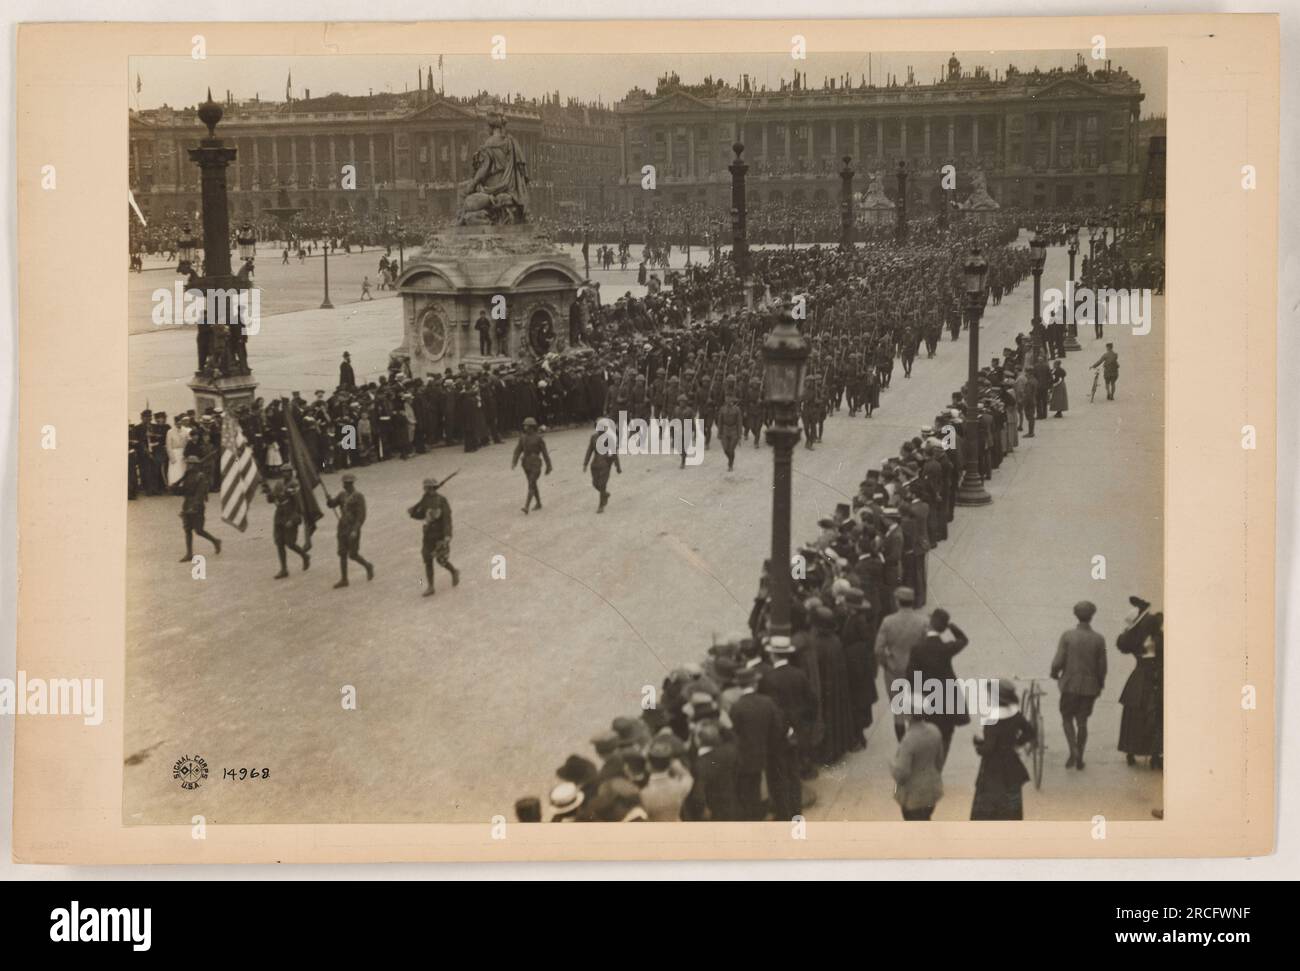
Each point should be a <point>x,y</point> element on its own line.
<point>1042,139</point>
<point>408,150</point>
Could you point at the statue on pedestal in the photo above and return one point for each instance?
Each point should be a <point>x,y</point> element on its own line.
<point>979,198</point>
<point>498,192</point>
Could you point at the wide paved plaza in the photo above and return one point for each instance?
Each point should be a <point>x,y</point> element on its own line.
<point>470,699</point>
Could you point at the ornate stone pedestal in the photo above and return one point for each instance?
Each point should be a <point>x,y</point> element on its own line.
<point>493,270</point>
<point>226,393</point>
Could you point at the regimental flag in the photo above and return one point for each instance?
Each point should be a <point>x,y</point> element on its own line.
<point>305,469</point>
<point>239,478</point>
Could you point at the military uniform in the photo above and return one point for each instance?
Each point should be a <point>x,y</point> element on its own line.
<point>600,464</point>
<point>532,449</point>
<point>352,515</point>
<point>194,488</point>
<point>434,511</point>
<point>288,516</point>
<point>730,426</point>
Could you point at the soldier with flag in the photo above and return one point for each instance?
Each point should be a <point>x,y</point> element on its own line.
<point>287,498</point>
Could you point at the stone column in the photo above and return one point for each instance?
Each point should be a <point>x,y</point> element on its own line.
<point>927,136</point>
<point>857,141</point>
<point>293,159</point>
<point>257,163</point>
<point>880,136</point>
<point>763,127</point>
<point>789,139</point>
<point>275,160</point>
<point>1076,120</point>
<point>952,136</point>
<point>902,136</point>
<point>834,137</point>
<point>690,149</point>
<point>370,142</point>
<point>333,180</point>
<point>314,178</point>
<point>1054,119</point>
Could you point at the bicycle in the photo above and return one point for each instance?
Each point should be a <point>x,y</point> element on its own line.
<point>1032,708</point>
<point>1096,379</point>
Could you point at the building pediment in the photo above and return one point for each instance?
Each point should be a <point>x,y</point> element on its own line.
<point>1067,88</point>
<point>443,111</point>
<point>679,101</point>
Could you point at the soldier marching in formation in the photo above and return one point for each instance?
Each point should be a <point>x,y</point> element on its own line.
<point>532,449</point>
<point>600,459</point>
<point>351,505</point>
<point>287,498</point>
<point>434,512</point>
<point>194,487</point>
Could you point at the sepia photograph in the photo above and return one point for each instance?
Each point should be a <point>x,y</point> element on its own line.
<point>615,437</point>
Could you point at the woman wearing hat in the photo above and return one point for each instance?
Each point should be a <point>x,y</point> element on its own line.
<point>1141,727</point>
<point>1001,773</point>
<point>532,448</point>
<point>1060,398</point>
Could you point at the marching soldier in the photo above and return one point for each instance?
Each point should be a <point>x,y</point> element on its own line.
<point>194,487</point>
<point>532,448</point>
<point>434,511</point>
<point>753,409</point>
<point>600,461</point>
<point>288,515</point>
<point>730,424</point>
<point>352,515</point>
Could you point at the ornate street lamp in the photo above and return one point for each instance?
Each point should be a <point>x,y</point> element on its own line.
<point>971,490</point>
<point>185,248</point>
<point>401,251</point>
<point>1092,241</point>
<point>739,242</point>
<point>247,243</point>
<point>901,208</point>
<point>1038,257</point>
<point>846,204</point>
<point>1072,325</point>
<point>785,355</point>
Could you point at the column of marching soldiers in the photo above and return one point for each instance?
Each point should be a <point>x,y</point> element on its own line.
<point>862,309</point>
<point>737,735</point>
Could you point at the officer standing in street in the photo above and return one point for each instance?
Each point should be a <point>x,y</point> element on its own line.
<point>731,424</point>
<point>600,459</point>
<point>434,511</point>
<point>352,515</point>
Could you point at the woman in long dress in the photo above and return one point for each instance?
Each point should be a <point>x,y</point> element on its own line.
<point>1001,773</point>
<point>178,436</point>
<point>1060,399</point>
<point>1141,727</point>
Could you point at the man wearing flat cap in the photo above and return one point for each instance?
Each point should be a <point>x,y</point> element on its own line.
<point>1080,668</point>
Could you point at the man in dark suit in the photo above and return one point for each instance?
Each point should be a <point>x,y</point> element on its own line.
<point>713,797</point>
<point>347,378</point>
<point>761,730</point>
<point>790,688</point>
<point>1043,376</point>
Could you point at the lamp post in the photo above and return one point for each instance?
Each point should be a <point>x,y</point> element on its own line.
<point>739,242</point>
<point>1038,252</point>
<point>785,354</point>
<point>224,379</point>
<point>971,490</point>
<point>1072,325</point>
<point>401,247</point>
<point>900,233</point>
<point>846,204</point>
<point>185,247</point>
<point>1092,241</point>
<point>325,250</point>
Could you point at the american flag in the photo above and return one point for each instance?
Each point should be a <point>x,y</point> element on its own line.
<point>239,478</point>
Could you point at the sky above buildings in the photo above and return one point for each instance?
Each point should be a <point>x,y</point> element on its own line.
<point>183,81</point>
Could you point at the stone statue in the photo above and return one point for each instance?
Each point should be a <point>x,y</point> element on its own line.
<point>875,197</point>
<point>979,198</point>
<point>498,192</point>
